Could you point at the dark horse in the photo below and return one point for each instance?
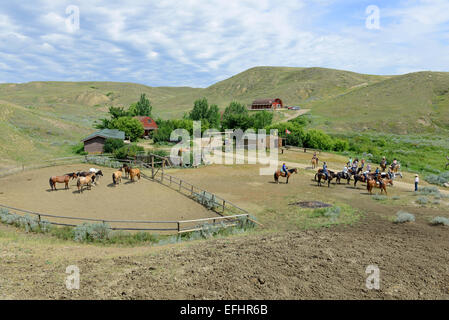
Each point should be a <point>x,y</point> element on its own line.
<point>61,179</point>
<point>127,169</point>
<point>278,174</point>
<point>343,175</point>
<point>321,176</point>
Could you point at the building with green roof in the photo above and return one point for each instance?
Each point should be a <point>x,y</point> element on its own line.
<point>94,143</point>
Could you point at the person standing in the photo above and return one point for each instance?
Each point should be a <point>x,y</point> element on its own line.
<point>416,182</point>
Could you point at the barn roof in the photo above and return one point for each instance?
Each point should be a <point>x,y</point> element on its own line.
<point>147,123</point>
<point>107,133</point>
<point>264,101</point>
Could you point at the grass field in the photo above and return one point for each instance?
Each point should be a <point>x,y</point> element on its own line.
<point>45,119</point>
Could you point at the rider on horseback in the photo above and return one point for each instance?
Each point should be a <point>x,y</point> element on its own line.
<point>325,172</point>
<point>284,169</point>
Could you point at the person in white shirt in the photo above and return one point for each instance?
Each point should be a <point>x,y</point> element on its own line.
<point>416,182</point>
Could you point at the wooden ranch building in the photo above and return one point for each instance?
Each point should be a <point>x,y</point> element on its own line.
<point>267,104</point>
<point>94,143</point>
<point>148,125</point>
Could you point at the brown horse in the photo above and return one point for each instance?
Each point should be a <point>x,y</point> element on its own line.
<point>371,184</point>
<point>134,173</point>
<point>117,176</point>
<point>322,176</point>
<point>61,179</point>
<point>87,180</point>
<point>126,168</point>
<point>314,162</point>
<point>278,174</point>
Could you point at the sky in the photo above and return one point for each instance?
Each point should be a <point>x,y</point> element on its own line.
<point>198,43</point>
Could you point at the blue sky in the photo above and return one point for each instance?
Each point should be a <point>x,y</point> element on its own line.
<point>197,43</point>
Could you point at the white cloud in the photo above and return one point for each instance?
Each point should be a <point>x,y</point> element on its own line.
<point>198,42</point>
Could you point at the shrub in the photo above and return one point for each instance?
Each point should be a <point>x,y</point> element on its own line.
<point>440,221</point>
<point>379,197</point>
<point>30,224</point>
<point>89,232</point>
<point>396,197</point>
<point>111,145</point>
<point>429,191</point>
<point>402,217</point>
<point>330,212</point>
<point>317,139</point>
<point>79,149</point>
<point>128,151</point>
<point>438,179</point>
<point>422,200</point>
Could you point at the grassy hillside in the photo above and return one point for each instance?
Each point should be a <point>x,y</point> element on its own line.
<point>43,119</point>
<point>411,103</point>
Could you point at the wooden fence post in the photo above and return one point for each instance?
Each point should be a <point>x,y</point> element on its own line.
<point>179,227</point>
<point>162,174</point>
<point>224,203</point>
<point>180,185</point>
<point>192,189</point>
<point>152,166</point>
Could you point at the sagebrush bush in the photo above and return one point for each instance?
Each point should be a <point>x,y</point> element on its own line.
<point>434,191</point>
<point>379,197</point>
<point>329,212</point>
<point>438,179</point>
<point>89,232</point>
<point>30,224</point>
<point>440,221</point>
<point>402,216</point>
<point>422,200</point>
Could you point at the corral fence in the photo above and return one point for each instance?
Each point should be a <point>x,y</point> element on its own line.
<point>228,214</point>
<point>180,226</point>
<point>42,164</point>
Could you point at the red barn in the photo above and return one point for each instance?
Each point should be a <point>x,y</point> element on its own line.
<point>267,104</point>
<point>148,124</point>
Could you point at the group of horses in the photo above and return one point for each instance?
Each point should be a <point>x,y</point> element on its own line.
<point>87,178</point>
<point>372,180</point>
<point>84,178</point>
<point>130,173</point>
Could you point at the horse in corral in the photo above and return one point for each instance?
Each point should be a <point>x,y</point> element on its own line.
<point>322,176</point>
<point>380,183</point>
<point>278,174</point>
<point>134,173</point>
<point>117,176</point>
<point>62,179</point>
<point>343,175</point>
<point>126,168</point>
<point>87,180</point>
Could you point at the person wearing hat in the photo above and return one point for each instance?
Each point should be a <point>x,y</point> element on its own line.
<point>416,182</point>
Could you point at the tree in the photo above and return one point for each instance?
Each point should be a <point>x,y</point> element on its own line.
<point>213,116</point>
<point>262,119</point>
<point>236,116</point>
<point>200,110</point>
<point>110,145</point>
<point>132,127</point>
<point>141,108</point>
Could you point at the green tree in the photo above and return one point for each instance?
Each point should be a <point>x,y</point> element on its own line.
<point>200,110</point>
<point>236,116</point>
<point>261,119</point>
<point>110,145</point>
<point>141,108</point>
<point>213,116</point>
<point>132,127</point>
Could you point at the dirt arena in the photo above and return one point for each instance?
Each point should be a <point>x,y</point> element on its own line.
<point>279,261</point>
<point>141,200</point>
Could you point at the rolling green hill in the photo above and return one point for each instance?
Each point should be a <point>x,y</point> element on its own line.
<point>44,119</point>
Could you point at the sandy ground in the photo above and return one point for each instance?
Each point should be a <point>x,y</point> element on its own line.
<point>279,261</point>
<point>141,200</point>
